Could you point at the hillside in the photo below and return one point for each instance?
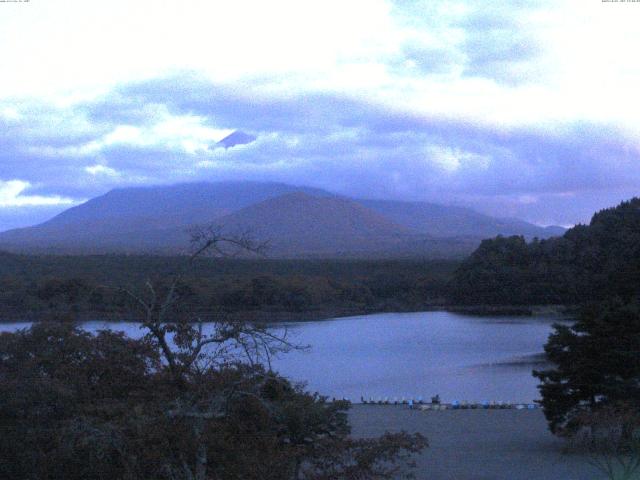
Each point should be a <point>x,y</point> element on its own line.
<point>299,223</point>
<point>181,204</point>
<point>451,221</point>
<point>312,222</point>
<point>141,219</point>
<point>589,262</point>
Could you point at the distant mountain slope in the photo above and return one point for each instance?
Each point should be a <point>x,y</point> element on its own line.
<point>313,222</point>
<point>449,221</point>
<point>299,223</point>
<point>181,204</point>
<point>236,138</point>
<point>134,219</point>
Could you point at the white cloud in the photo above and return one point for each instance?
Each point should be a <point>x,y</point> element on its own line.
<point>88,45</point>
<point>453,159</point>
<point>12,195</point>
<point>184,133</point>
<point>504,94</point>
<point>98,170</point>
<point>582,68</point>
<point>187,132</point>
<point>10,113</point>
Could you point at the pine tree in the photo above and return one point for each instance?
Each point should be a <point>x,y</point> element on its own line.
<point>597,363</point>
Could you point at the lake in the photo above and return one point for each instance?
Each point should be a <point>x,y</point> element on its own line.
<point>411,355</point>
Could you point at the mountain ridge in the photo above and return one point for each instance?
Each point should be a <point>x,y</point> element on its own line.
<point>155,219</point>
<point>238,137</point>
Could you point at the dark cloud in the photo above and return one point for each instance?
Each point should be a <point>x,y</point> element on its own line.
<point>342,144</point>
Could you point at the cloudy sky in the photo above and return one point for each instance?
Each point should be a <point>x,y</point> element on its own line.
<point>524,108</point>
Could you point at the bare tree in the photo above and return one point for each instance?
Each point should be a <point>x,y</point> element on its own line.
<point>188,401</point>
<point>216,366</point>
<point>190,352</point>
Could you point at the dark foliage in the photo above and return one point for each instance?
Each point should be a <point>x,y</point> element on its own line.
<point>609,436</point>
<point>183,402</point>
<point>82,287</point>
<point>588,263</point>
<point>597,364</point>
<point>78,406</point>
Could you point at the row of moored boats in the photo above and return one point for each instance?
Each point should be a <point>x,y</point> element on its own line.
<point>436,404</point>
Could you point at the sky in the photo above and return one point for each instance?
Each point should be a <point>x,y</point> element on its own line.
<point>525,108</point>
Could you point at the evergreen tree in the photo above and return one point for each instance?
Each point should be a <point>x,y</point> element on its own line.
<point>597,363</point>
<point>588,263</point>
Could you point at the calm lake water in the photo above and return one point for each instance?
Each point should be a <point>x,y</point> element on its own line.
<point>409,355</point>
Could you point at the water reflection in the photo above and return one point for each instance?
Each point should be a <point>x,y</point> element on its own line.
<point>409,355</point>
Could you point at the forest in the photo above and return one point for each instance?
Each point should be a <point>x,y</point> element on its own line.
<point>178,403</point>
<point>94,287</point>
<point>588,263</point>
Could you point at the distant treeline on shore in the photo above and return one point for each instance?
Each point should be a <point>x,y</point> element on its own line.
<point>95,287</point>
<point>504,275</point>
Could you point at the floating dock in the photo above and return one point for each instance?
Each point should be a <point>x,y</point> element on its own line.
<point>419,404</point>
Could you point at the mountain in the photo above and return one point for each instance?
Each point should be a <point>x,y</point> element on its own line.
<point>147,219</point>
<point>300,224</point>
<point>299,221</point>
<point>171,205</point>
<point>236,138</point>
<point>450,221</point>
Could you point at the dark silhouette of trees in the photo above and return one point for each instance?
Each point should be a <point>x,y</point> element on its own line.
<point>587,263</point>
<point>86,287</point>
<point>186,401</point>
<point>597,364</point>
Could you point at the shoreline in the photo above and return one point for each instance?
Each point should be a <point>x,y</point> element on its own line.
<point>274,317</point>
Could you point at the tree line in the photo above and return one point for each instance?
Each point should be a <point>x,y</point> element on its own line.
<point>591,392</point>
<point>179,403</point>
<point>588,263</point>
<point>79,287</point>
